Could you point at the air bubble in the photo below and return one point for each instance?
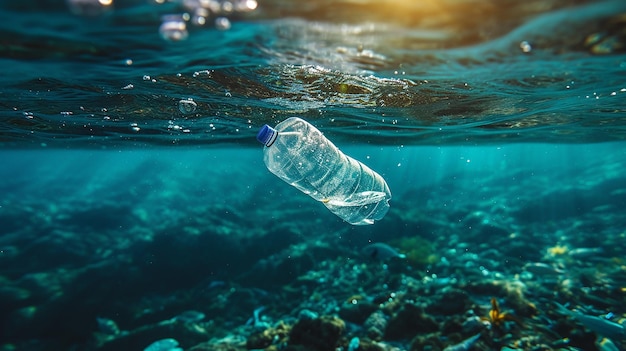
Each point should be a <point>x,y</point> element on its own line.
<point>200,16</point>
<point>222,23</point>
<point>227,7</point>
<point>525,46</point>
<point>174,126</point>
<point>247,5</point>
<point>173,28</point>
<point>199,73</point>
<point>187,106</point>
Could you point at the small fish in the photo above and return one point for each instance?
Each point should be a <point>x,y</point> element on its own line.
<point>107,326</point>
<point>598,325</point>
<point>543,269</point>
<point>189,317</point>
<point>584,252</point>
<point>381,252</point>
<point>463,345</point>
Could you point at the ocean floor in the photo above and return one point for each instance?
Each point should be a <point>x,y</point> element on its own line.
<point>115,251</point>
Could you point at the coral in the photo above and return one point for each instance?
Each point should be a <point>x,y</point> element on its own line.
<point>451,301</point>
<point>187,333</point>
<point>368,345</point>
<point>557,250</point>
<point>498,318</point>
<point>409,321</point>
<point>356,311</point>
<point>269,336</point>
<point>229,343</point>
<point>426,342</point>
<point>375,325</point>
<point>514,292</point>
<point>318,334</point>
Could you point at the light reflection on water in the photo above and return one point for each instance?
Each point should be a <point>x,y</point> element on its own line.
<point>398,72</point>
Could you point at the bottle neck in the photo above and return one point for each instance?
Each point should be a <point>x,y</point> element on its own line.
<point>277,135</point>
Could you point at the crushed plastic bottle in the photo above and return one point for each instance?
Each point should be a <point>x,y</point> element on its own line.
<point>299,154</point>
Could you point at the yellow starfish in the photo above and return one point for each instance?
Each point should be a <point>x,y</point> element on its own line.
<point>497,318</point>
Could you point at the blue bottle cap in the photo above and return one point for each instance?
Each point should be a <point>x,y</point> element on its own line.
<point>267,135</point>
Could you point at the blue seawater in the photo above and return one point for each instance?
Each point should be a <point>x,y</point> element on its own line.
<point>133,188</point>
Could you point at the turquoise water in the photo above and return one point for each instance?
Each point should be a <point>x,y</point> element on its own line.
<point>134,189</point>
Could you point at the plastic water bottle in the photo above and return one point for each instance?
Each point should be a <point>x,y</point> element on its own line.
<point>300,155</point>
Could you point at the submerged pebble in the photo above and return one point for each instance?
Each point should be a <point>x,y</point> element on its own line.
<point>168,344</point>
<point>107,326</point>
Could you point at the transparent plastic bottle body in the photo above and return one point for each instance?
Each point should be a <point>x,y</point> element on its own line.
<point>304,158</point>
